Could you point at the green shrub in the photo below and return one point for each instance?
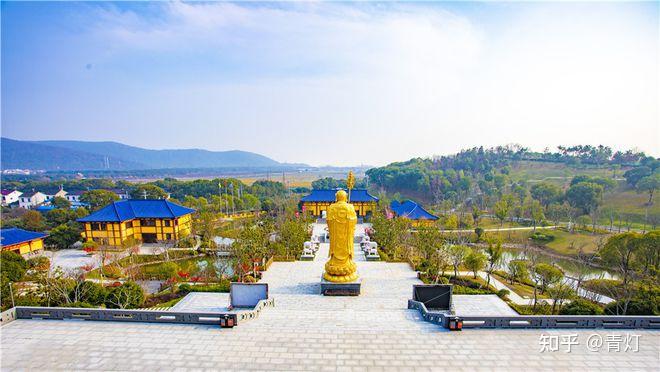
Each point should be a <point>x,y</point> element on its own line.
<point>208,243</point>
<point>503,293</point>
<point>13,265</point>
<point>459,289</point>
<point>220,287</point>
<point>112,272</point>
<point>184,287</point>
<point>581,307</point>
<point>90,246</point>
<point>607,287</point>
<point>94,293</point>
<point>129,295</point>
<point>430,279</point>
<point>168,270</point>
<point>479,232</point>
<point>423,266</point>
<point>383,255</point>
<point>468,282</point>
<point>541,309</point>
<point>541,237</point>
<point>29,300</point>
<point>645,302</point>
<point>181,254</point>
<point>187,242</point>
<point>40,263</point>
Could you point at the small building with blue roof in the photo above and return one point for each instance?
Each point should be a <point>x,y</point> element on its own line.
<point>21,241</point>
<point>412,211</point>
<point>145,220</point>
<point>318,201</point>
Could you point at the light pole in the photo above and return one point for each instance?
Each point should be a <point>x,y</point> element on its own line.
<point>11,293</point>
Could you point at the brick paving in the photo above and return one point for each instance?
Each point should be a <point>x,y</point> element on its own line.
<point>306,331</point>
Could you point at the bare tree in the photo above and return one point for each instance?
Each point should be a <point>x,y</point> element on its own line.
<point>533,259</point>
<point>67,285</point>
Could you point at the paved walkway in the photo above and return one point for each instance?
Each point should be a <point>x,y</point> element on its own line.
<point>203,302</point>
<point>306,331</point>
<point>71,259</point>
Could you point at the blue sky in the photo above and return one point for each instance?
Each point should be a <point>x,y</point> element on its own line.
<point>381,81</point>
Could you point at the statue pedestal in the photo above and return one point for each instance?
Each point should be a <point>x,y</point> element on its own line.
<point>340,289</point>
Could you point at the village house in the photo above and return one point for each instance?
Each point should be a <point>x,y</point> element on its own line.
<point>32,199</point>
<point>10,196</point>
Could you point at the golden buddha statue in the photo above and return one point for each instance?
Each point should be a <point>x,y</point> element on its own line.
<point>341,217</point>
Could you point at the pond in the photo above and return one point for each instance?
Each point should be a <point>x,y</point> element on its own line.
<point>570,268</point>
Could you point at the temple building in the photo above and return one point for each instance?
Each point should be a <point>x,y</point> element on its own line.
<point>21,241</point>
<point>412,211</point>
<point>148,221</point>
<point>319,200</point>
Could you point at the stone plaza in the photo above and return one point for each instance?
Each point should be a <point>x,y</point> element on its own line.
<point>307,331</point>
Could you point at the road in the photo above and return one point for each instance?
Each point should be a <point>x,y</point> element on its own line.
<point>505,229</point>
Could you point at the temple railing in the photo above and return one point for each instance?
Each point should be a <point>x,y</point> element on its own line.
<point>563,321</point>
<point>540,321</point>
<point>225,320</point>
<point>429,316</point>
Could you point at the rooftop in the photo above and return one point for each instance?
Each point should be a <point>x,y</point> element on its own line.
<point>328,195</point>
<point>125,210</point>
<point>410,209</point>
<point>16,236</point>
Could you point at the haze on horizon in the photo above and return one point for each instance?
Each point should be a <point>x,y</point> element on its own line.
<point>380,82</point>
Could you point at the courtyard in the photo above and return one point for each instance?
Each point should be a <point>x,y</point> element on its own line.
<point>306,331</point>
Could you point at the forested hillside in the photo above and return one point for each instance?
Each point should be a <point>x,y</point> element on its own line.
<point>575,181</point>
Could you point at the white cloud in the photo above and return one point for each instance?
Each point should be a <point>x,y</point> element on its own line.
<point>396,81</point>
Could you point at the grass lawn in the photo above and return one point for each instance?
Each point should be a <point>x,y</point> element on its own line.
<point>557,173</point>
<point>522,290</point>
<point>515,236</point>
<point>564,242</point>
<point>630,204</point>
<point>493,223</point>
<point>570,243</point>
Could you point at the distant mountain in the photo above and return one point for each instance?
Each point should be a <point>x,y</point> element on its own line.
<point>32,155</point>
<point>82,155</point>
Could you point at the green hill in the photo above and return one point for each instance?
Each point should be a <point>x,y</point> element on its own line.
<point>594,182</point>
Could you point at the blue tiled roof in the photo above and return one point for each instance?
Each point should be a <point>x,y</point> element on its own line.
<point>15,236</point>
<point>125,210</point>
<point>410,209</point>
<point>357,195</point>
